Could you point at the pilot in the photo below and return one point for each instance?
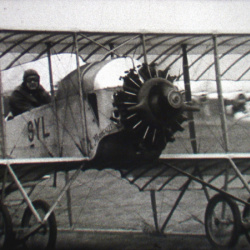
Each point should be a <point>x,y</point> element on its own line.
<point>30,94</point>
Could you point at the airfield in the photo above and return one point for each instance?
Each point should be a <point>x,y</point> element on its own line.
<point>109,213</point>
<point>133,241</point>
<point>129,241</point>
<point>105,211</point>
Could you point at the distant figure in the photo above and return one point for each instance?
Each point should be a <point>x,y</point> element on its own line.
<point>30,94</point>
<point>239,105</point>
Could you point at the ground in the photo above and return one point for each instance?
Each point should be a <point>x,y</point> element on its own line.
<point>103,200</point>
<point>135,241</point>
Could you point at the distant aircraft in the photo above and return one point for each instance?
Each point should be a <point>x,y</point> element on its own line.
<point>120,110</point>
<point>236,99</point>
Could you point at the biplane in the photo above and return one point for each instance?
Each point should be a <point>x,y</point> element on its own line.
<point>121,109</point>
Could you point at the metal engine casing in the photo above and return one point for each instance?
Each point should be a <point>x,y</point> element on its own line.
<point>111,89</point>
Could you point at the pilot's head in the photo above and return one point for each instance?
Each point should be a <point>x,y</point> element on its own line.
<point>31,80</point>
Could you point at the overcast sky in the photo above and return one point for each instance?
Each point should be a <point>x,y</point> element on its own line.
<point>130,15</point>
<point>168,16</point>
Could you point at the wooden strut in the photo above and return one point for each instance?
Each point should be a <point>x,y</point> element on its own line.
<point>239,174</point>
<point>43,220</point>
<point>53,96</point>
<point>54,105</point>
<point>220,96</point>
<point>189,98</point>
<point>66,187</point>
<point>179,198</point>
<point>191,124</point>
<point>222,112</point>
<point>82,100</point>
<point>2,121</point>
<point>184,189</point>
<point>154,208</point>
<point>69,204</point>
<point>145,54</point>
<point>2,136</point>
<point>24,194</point>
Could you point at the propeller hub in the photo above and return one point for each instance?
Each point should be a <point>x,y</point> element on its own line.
<point>175,99</point>
<point>159,101</point>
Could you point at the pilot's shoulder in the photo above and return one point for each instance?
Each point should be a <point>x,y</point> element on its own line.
<point>16,91</point>
<point>41,89</point>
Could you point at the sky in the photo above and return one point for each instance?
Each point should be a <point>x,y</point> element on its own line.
<point>127,16</point>
<point>168,16</point>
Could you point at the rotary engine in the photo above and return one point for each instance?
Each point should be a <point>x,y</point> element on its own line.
<point>150,108</point>
<point>146,110</point>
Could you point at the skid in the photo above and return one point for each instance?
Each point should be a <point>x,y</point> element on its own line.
<point>204,169</point>
<point>9,174</point>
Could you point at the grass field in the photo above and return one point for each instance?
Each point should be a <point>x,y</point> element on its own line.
<point>102,200</point>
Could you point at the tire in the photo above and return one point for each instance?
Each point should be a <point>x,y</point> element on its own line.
<point>6,230</point>
<point>246,219</point>
<point>222,229</point>
<point>45,238</point>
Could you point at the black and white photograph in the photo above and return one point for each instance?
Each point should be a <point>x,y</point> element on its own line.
<point>124,125</point>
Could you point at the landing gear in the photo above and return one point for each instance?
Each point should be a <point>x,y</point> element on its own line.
<point>246,221</point>
<point>222,221</point>
<point>40,236</point>
<point>6,233</point>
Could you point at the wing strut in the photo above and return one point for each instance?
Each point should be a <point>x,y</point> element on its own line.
<point>54,106</point>
<point>2,124</point>
<point>220,97</point>
<point>145,54</point>
<point>82,100</point>
<point>222,109</point>
<point>191,124</point>
<point>53,97</point>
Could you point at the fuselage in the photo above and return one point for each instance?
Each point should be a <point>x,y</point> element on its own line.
<point>81,122</point>
<point>110,119</point>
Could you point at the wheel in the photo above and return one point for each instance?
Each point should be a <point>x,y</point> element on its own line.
<point>246,219</point>
<point>6,233</point>
<point>222,221</point>
<point>45,237</point>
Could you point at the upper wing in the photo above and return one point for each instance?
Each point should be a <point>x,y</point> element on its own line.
<point>163,50</point>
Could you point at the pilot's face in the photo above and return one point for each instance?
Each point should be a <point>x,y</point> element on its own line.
<point>32,82</point>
